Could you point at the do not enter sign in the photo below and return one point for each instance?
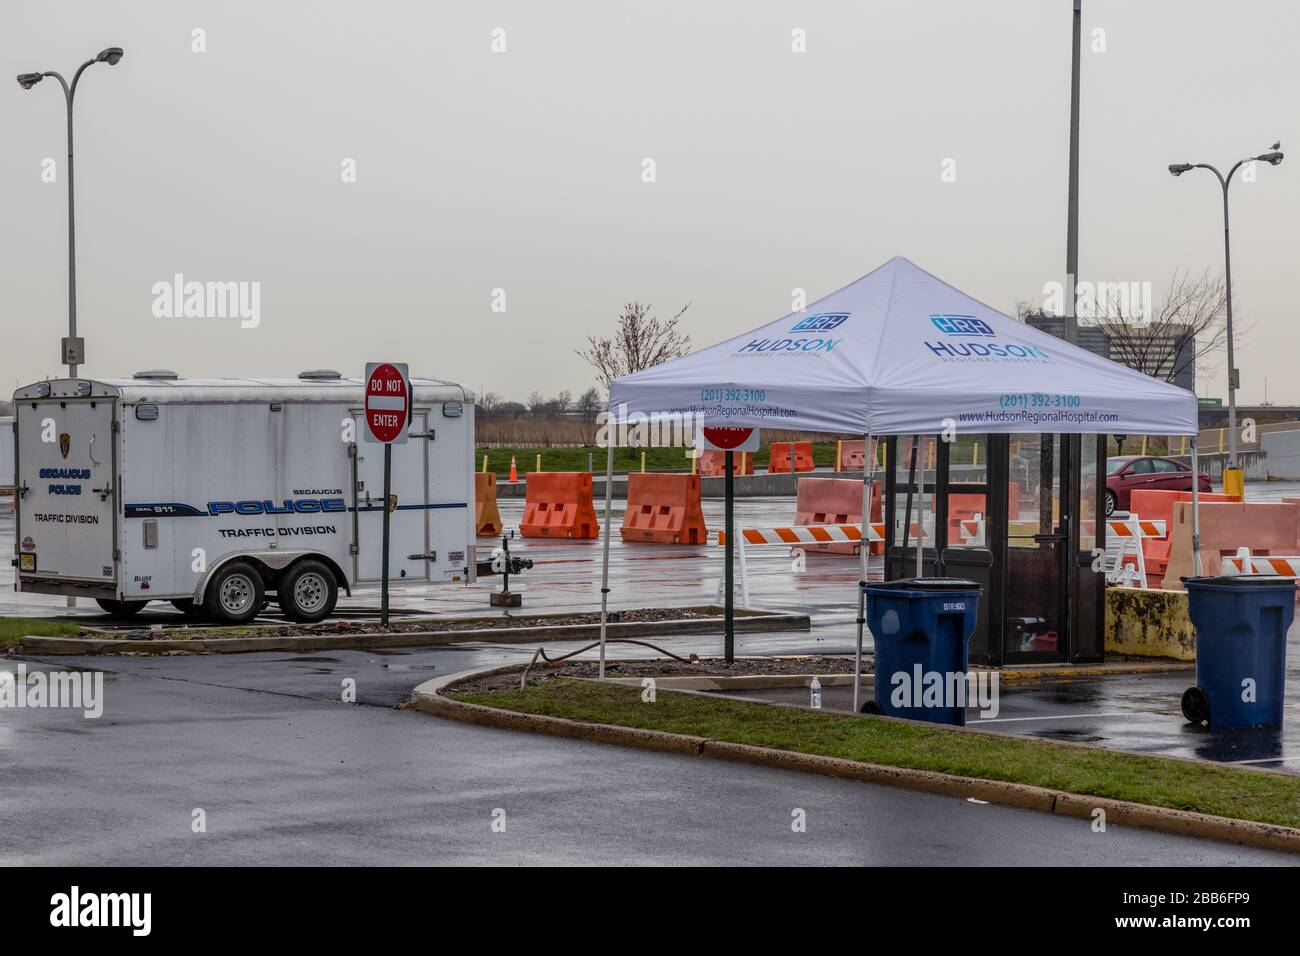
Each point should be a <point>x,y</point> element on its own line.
<point>721,438</point>
<point>388,402</point>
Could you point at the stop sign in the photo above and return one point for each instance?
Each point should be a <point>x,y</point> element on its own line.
<point>388,402</point>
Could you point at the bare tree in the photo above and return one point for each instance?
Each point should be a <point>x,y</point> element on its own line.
<point>589,403</point>
<point>535,401</point>
<point>640,341</point>
<point>1188,326</point>
<point>563,401</point>
<point>488,401</point>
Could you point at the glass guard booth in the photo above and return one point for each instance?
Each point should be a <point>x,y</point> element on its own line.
<point>1018,515</point>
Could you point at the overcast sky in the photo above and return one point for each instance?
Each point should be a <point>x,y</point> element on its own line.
<point>523,171</point>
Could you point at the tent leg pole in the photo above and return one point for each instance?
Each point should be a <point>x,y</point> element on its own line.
<point>920,514</point>
<point>1196,512</point>
<point>604,566</point>
<point>868,468</point>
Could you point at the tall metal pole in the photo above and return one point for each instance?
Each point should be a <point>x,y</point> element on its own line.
<point>1072,212</point>
<point>604,560</point>
<point>1232,365</point>
<point>73,350</point>
<point>728,598</point>
<point>388,491</point>
<point>1234,379</point>
<point>72,249</point>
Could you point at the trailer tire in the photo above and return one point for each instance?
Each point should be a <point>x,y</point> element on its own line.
<point>121,608</point>
<point>235,593</point>
<point>308,592</point>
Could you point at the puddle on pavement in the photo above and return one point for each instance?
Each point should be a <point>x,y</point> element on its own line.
<point>312,660</point>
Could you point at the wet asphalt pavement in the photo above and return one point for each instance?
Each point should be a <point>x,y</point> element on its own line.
<point>287,773</point>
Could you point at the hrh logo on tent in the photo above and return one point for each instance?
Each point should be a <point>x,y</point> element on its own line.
<point>808,344</point>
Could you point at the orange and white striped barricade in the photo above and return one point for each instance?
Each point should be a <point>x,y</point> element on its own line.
<point>1243,563</point>
<point>795,537</point>
<point>970,531</point>
<point>1123,541</point>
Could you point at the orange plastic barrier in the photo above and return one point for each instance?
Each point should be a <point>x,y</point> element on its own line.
<point>558,505</point>
<point>835,501</point>
<point>664,509</point>
<point>1264,527</point>
<point>779,457</point>
<point>965,505</point>
<point>487,516</point>
<point>713,464</point>
<point>1158,505</point>
<point>853,455</point>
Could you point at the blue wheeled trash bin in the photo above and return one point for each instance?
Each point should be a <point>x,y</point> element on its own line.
<point>1241,624</point>
<point>921,627</point>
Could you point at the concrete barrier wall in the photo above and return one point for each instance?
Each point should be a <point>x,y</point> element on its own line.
<point>1283,454</point>
<point>1149,623</point>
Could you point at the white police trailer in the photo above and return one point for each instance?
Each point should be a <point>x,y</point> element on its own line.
<point>215,493</point>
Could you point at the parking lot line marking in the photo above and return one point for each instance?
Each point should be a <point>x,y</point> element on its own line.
<point>1005,720</point>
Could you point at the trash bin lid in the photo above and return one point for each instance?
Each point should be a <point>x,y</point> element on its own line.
<point>927,584</point>
<point>1240,581</point>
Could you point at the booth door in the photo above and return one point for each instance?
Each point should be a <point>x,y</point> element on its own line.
<point>1034,619</point>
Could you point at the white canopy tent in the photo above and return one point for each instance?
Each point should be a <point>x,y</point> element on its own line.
<point>899,352</point>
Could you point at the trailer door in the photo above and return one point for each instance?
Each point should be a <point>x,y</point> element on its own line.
<point>66,497</point>
<point>408,524</point>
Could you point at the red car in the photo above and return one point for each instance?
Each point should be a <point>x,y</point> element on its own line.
<point>1128,473</point>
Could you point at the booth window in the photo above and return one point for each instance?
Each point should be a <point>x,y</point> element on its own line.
<point>1088,495</point>
<point>914,471</point>
<point>968,513</point>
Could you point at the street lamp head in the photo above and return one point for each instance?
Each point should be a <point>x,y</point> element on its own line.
<point>1273,158</point>
<point>1179,168</point>
<point>28,80</point>
<point>111,56</point>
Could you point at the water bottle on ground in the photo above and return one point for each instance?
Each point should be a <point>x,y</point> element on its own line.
<point>816,690</point>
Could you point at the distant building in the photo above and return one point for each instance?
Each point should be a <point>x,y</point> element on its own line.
<point>1090,337</point>
<point>1170,348</point>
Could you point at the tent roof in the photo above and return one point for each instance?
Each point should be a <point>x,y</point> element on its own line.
<point>900,351</point>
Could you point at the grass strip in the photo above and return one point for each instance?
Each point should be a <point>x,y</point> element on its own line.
<point>14,628</point>
<point>1154,781</point>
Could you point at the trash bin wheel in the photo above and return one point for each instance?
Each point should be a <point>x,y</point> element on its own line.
<point>871,707</point>
<point>1196,706</point>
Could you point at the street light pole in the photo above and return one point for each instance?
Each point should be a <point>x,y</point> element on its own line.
<point>1234,381</point>
<point>1072,206</point>
<point>73,347</point>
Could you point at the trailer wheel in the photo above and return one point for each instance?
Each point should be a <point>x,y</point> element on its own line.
<point>121,608</point>
<point>308,592</point>
<point>235,593</point>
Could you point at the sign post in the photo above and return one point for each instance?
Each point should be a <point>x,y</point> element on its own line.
<point>729,441</point>
<point>388,412</point>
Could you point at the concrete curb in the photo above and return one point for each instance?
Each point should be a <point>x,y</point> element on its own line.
<point>751,622</point>
<point>430,698</point>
